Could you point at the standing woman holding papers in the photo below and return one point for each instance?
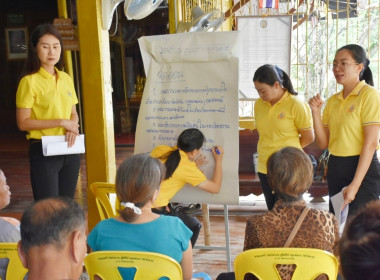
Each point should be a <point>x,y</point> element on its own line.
<point>349,128</point>
<point>280,118</point>
<point>46,106</point>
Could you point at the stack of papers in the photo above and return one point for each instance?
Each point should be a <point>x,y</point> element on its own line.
<point>56,145</point>
<point>340,214</point>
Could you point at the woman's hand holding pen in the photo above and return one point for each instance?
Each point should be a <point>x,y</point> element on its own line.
<point>218,152</point>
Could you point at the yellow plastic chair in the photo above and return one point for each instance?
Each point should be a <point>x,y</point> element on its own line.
<point>309,263</point>
<point>15,269</point>
<point>148,265</point>
<point>106,199</point>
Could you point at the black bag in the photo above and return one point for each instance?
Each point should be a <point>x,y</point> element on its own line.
<point>321,172</point>
<point>314,163</point>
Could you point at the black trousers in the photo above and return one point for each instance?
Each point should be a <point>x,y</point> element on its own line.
<point>341,171</point>
<point>191,222</point>
<point>270,197</point>
<point>52,176</point>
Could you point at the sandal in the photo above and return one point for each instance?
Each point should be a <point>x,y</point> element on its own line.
<point>191,208</point>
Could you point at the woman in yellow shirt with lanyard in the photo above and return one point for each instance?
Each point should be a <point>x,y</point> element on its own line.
<point>349,128</point>
<point>46,105</point>
<point>280,118</point>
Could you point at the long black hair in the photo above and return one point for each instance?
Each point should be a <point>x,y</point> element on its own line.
<point>359,55</point>
<point>32,64</point>
<point>189,140</point>
<point>270,74</point>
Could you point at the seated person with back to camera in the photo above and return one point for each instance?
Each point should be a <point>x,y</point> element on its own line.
<point>290,173</point>
<point>137,228</point>
<point>53,239</point>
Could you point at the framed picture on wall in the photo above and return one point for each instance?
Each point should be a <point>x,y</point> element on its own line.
<point>17,42</point>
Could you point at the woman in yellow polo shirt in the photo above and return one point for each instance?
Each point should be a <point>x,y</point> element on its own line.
<point>46,105</point>
<point>350,129</point>
<point>281,120</point>
<point>182,167</point>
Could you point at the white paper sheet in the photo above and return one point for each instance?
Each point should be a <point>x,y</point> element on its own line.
<point>192,82</point>
<point>56,145</point>
<point>265,40</point>
<point>340,214</point>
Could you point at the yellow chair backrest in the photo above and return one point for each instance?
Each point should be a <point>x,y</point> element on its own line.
<point>15,269</point>
<point>106,199</point>
<point>148,265</point>
<point>309,263</point>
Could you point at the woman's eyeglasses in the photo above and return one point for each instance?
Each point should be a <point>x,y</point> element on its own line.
<point>342,65</point>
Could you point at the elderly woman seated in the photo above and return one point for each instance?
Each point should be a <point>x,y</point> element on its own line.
<point>290,174</point>
<point>9,227</point>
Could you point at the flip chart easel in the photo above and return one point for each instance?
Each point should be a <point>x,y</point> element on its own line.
<point>192,82</point>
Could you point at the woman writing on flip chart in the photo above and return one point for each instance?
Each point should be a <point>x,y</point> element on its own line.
<point>182,166</point>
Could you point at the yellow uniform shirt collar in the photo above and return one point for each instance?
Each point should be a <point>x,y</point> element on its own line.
<point>355,91</point>
<point>46,74</point>
<point>284,97</point>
